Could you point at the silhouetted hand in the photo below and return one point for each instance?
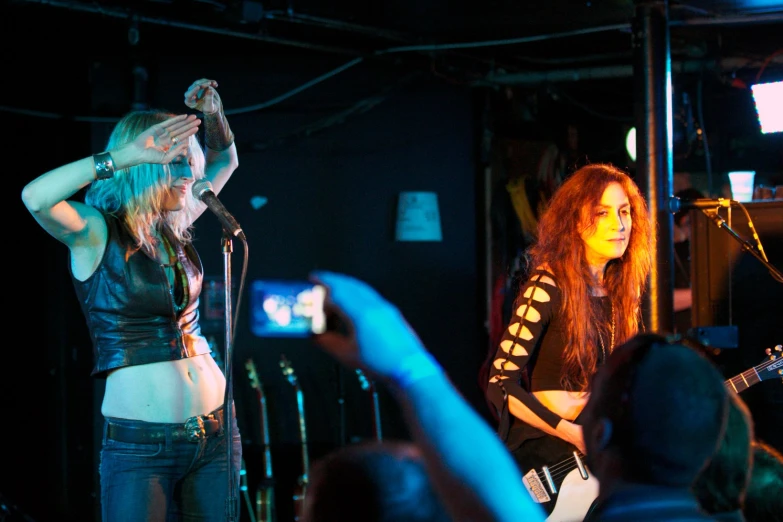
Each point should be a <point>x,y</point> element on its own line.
<point>376,337</point>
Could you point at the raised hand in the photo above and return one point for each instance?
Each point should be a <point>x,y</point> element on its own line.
<point>166,140</point>
<point>378,337</point>
<point>202,96</point>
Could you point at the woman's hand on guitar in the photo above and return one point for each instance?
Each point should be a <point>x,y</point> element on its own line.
<point>573,434</point>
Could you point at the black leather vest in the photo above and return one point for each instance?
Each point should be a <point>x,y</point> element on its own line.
<point>130,308</point>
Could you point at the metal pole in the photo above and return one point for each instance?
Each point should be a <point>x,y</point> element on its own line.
<point>653,114</point>
<point>228,404</point>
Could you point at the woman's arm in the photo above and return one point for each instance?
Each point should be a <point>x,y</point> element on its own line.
<point>221,151</point>
<point>67,221</point>
<point>46,199</point>
<point>469,464</point>
<point>470,467</point>
<point>683,299</point>
<point>526,328</point>
<point>566,430</point>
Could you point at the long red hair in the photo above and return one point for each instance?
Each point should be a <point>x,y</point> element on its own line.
<point>560,247</point>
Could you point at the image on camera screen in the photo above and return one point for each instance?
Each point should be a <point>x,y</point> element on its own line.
<point>286,308</point>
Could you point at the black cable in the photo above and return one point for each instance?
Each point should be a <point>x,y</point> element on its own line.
<point>700,112</point>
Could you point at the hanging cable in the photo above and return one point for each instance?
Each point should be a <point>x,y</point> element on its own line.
<point>700,112</point>
<point>766,63</point>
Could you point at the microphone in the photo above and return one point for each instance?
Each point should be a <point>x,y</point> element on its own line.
<point>677,204</point>
<point>202,190</point>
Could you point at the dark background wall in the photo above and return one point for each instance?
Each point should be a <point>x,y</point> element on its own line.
<point>331,162</point>
<point>332,197</point>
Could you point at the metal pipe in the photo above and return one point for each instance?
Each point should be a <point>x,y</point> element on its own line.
<point>298,18</point>
<point>653,114</point>
<point>772,17</point>
<point>764,18</point>
<point>615,71</point>
<point>124,14</point>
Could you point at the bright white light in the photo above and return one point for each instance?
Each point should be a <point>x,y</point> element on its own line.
<point>768,98</point>
<point>630,143</point>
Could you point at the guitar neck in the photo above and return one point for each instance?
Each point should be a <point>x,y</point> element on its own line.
<point>300,490</point>
<point>743,381</point>
<point>303,435</point>
<point>267,455</point>
<point>376,411</point>
<point>255,382</point>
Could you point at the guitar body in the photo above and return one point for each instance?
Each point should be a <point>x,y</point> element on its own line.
<point>569,496</point>
<point>580,493</point>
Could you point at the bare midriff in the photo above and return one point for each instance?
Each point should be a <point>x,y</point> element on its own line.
<point>168,391</point>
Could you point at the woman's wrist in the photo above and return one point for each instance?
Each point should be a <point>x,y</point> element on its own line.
<point>218,134</point>
<point>572,433</point>
<point>109,162</point>
<point>566,429</point>
<point>123,157</point>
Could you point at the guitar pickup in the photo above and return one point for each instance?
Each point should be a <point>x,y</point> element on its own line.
<point>580,466</point>
<point>549,480</point>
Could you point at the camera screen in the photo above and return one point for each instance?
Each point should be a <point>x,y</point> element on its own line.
<point>282,308</point>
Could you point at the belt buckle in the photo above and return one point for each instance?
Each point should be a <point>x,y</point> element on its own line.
<point>194,427</point>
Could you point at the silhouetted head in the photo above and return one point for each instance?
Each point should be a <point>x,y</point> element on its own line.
<point>372,482</point>
<point>763,498</point>
<point>656,414</point>
<point>721,487</point>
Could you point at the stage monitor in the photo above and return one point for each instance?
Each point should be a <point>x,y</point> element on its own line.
<point>730,286</point>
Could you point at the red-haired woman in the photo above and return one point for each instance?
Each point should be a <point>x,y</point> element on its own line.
<point>587,272</point>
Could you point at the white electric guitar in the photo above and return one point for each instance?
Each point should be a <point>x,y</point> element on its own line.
<point>568,488</point>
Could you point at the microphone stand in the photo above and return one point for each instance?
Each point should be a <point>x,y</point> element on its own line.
<point>228,417</point>
<point>746,245</point>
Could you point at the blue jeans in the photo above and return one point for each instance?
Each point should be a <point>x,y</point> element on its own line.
<point>167,481</point>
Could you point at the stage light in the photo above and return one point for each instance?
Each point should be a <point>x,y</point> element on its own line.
<point>768,98</point>
<point>630,143</point>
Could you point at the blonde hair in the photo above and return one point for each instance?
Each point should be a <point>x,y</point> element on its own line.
<point>136,194</point>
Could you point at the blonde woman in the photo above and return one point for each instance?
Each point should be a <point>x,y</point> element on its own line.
<point>138,278</point>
